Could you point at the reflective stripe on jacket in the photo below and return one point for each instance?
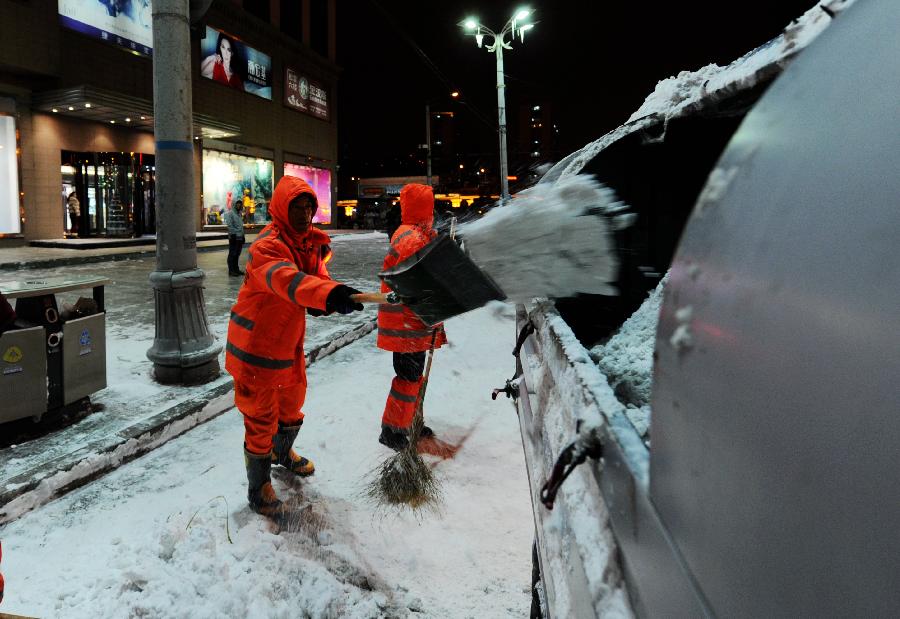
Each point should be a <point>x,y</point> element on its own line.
<point>399,329</point>
<point>285,274</point>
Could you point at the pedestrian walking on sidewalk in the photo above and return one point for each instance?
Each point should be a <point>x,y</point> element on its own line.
<point>399,329</point>
<point>286,279</point>
<point>235,221</point>
<point>74,208</point>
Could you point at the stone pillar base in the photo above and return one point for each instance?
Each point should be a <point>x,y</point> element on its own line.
<point>196,375</point>
<point>183,351</point>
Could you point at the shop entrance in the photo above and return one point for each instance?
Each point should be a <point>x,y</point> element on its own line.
<point>116,194</point>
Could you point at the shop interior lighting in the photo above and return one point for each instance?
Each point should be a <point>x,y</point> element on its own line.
<point>128,120</point>
<point>71,109</point>
<point>55,111</point>
<point>112,122</point>
<point>87,105</point>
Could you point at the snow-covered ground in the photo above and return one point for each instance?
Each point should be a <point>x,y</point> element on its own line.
<point>152,538</point>
<point>133,399</point>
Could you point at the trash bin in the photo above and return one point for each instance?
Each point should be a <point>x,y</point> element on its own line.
<point>51,359</point>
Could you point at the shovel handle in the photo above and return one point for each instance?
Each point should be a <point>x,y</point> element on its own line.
<point>375,297</point>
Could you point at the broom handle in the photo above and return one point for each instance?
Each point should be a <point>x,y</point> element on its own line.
<point>374,297</point>
<point>420,399</point>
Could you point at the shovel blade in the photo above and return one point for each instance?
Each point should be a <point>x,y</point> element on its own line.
<point>442,281</point>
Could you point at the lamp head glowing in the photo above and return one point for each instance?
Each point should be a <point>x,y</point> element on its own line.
<point>522,14</point>
<point>470,23</point>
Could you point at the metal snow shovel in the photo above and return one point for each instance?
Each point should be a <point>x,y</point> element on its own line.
<point>440,281</point>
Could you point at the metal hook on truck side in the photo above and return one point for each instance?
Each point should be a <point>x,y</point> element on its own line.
<point>576,453</point>
<point>511,389</point>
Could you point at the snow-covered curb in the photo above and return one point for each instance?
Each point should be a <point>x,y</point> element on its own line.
<point>32,488</point>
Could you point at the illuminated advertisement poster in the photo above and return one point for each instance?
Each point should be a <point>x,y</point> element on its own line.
<point>126,23</point>
<point>227,60</point>
<point>305,95</point>
<point>228,177</point>
<point>9,178</point>
<point>320,181</point>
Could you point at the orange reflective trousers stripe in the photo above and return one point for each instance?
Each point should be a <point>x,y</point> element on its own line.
<point>401,403</point>
<point>263,408</point>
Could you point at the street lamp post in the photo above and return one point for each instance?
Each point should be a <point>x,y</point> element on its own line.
<point>184,351</point>
<point>428,144</point>
<point>518,24</point>
<point>453,95</point>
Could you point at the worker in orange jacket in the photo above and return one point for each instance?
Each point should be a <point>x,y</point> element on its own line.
<point>285,278</point>
<point>399,329</point>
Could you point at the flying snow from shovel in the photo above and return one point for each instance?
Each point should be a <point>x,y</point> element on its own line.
<point>551,240</point>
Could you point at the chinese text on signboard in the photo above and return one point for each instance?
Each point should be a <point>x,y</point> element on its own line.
<point>305,95</point>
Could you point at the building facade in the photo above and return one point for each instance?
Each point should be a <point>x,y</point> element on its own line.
<point>76,112</point>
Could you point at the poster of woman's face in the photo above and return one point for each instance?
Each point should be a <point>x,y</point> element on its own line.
<point>227,60</point>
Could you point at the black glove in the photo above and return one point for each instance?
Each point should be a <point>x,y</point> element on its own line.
<point>315,312</point>
<point>339,300</point>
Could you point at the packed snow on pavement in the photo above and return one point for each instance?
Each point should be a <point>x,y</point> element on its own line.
<point>152,538</point>
<point>132,396</point>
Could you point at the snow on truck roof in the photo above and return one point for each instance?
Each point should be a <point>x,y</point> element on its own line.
<point>692,91</point>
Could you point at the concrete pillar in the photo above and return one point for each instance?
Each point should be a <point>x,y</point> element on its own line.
<point>183,351</point>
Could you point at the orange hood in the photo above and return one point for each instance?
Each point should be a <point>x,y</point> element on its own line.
<point>417,205</point>
<point>288,188</point>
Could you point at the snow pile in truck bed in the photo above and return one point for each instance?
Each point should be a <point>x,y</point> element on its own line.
<point>626,359</point>
<point>688,91</point>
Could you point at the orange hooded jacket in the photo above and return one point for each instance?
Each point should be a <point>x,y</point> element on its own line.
<point>399,329</point>
<point>285,274</point>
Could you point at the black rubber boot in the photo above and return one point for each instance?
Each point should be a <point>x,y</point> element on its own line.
<point>260,493</point>
<point>399,439</point>
<point>284,455</point>
<point>393,438</point>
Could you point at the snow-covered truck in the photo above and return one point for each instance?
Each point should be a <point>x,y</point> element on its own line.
<point>739,434</point>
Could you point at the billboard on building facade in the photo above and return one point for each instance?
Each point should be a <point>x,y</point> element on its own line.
<point>320,181</point>
<point>227,60</point>
<point>127,23</point>
<point>228,177</point>
<point>305,95</point>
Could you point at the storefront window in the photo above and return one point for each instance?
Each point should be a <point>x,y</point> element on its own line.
<point>228,177</point>
<point>320,181</point>
<point>10,223</point>
<point>108,194</point>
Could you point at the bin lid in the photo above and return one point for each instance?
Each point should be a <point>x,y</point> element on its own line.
<point>39,286</point>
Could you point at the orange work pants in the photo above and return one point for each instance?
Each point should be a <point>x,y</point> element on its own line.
<point>400,407</point>
<point>264,409</point>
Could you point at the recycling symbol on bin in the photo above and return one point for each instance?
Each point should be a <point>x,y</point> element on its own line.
<point>85,339</point>
<point>13,354</point>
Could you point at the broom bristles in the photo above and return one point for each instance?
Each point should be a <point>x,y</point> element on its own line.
<point>405,479</point>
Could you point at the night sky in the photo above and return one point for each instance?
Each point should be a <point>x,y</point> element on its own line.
<point>595,61</point>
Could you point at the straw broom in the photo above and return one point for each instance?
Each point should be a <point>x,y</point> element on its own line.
<point>404,478</point>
